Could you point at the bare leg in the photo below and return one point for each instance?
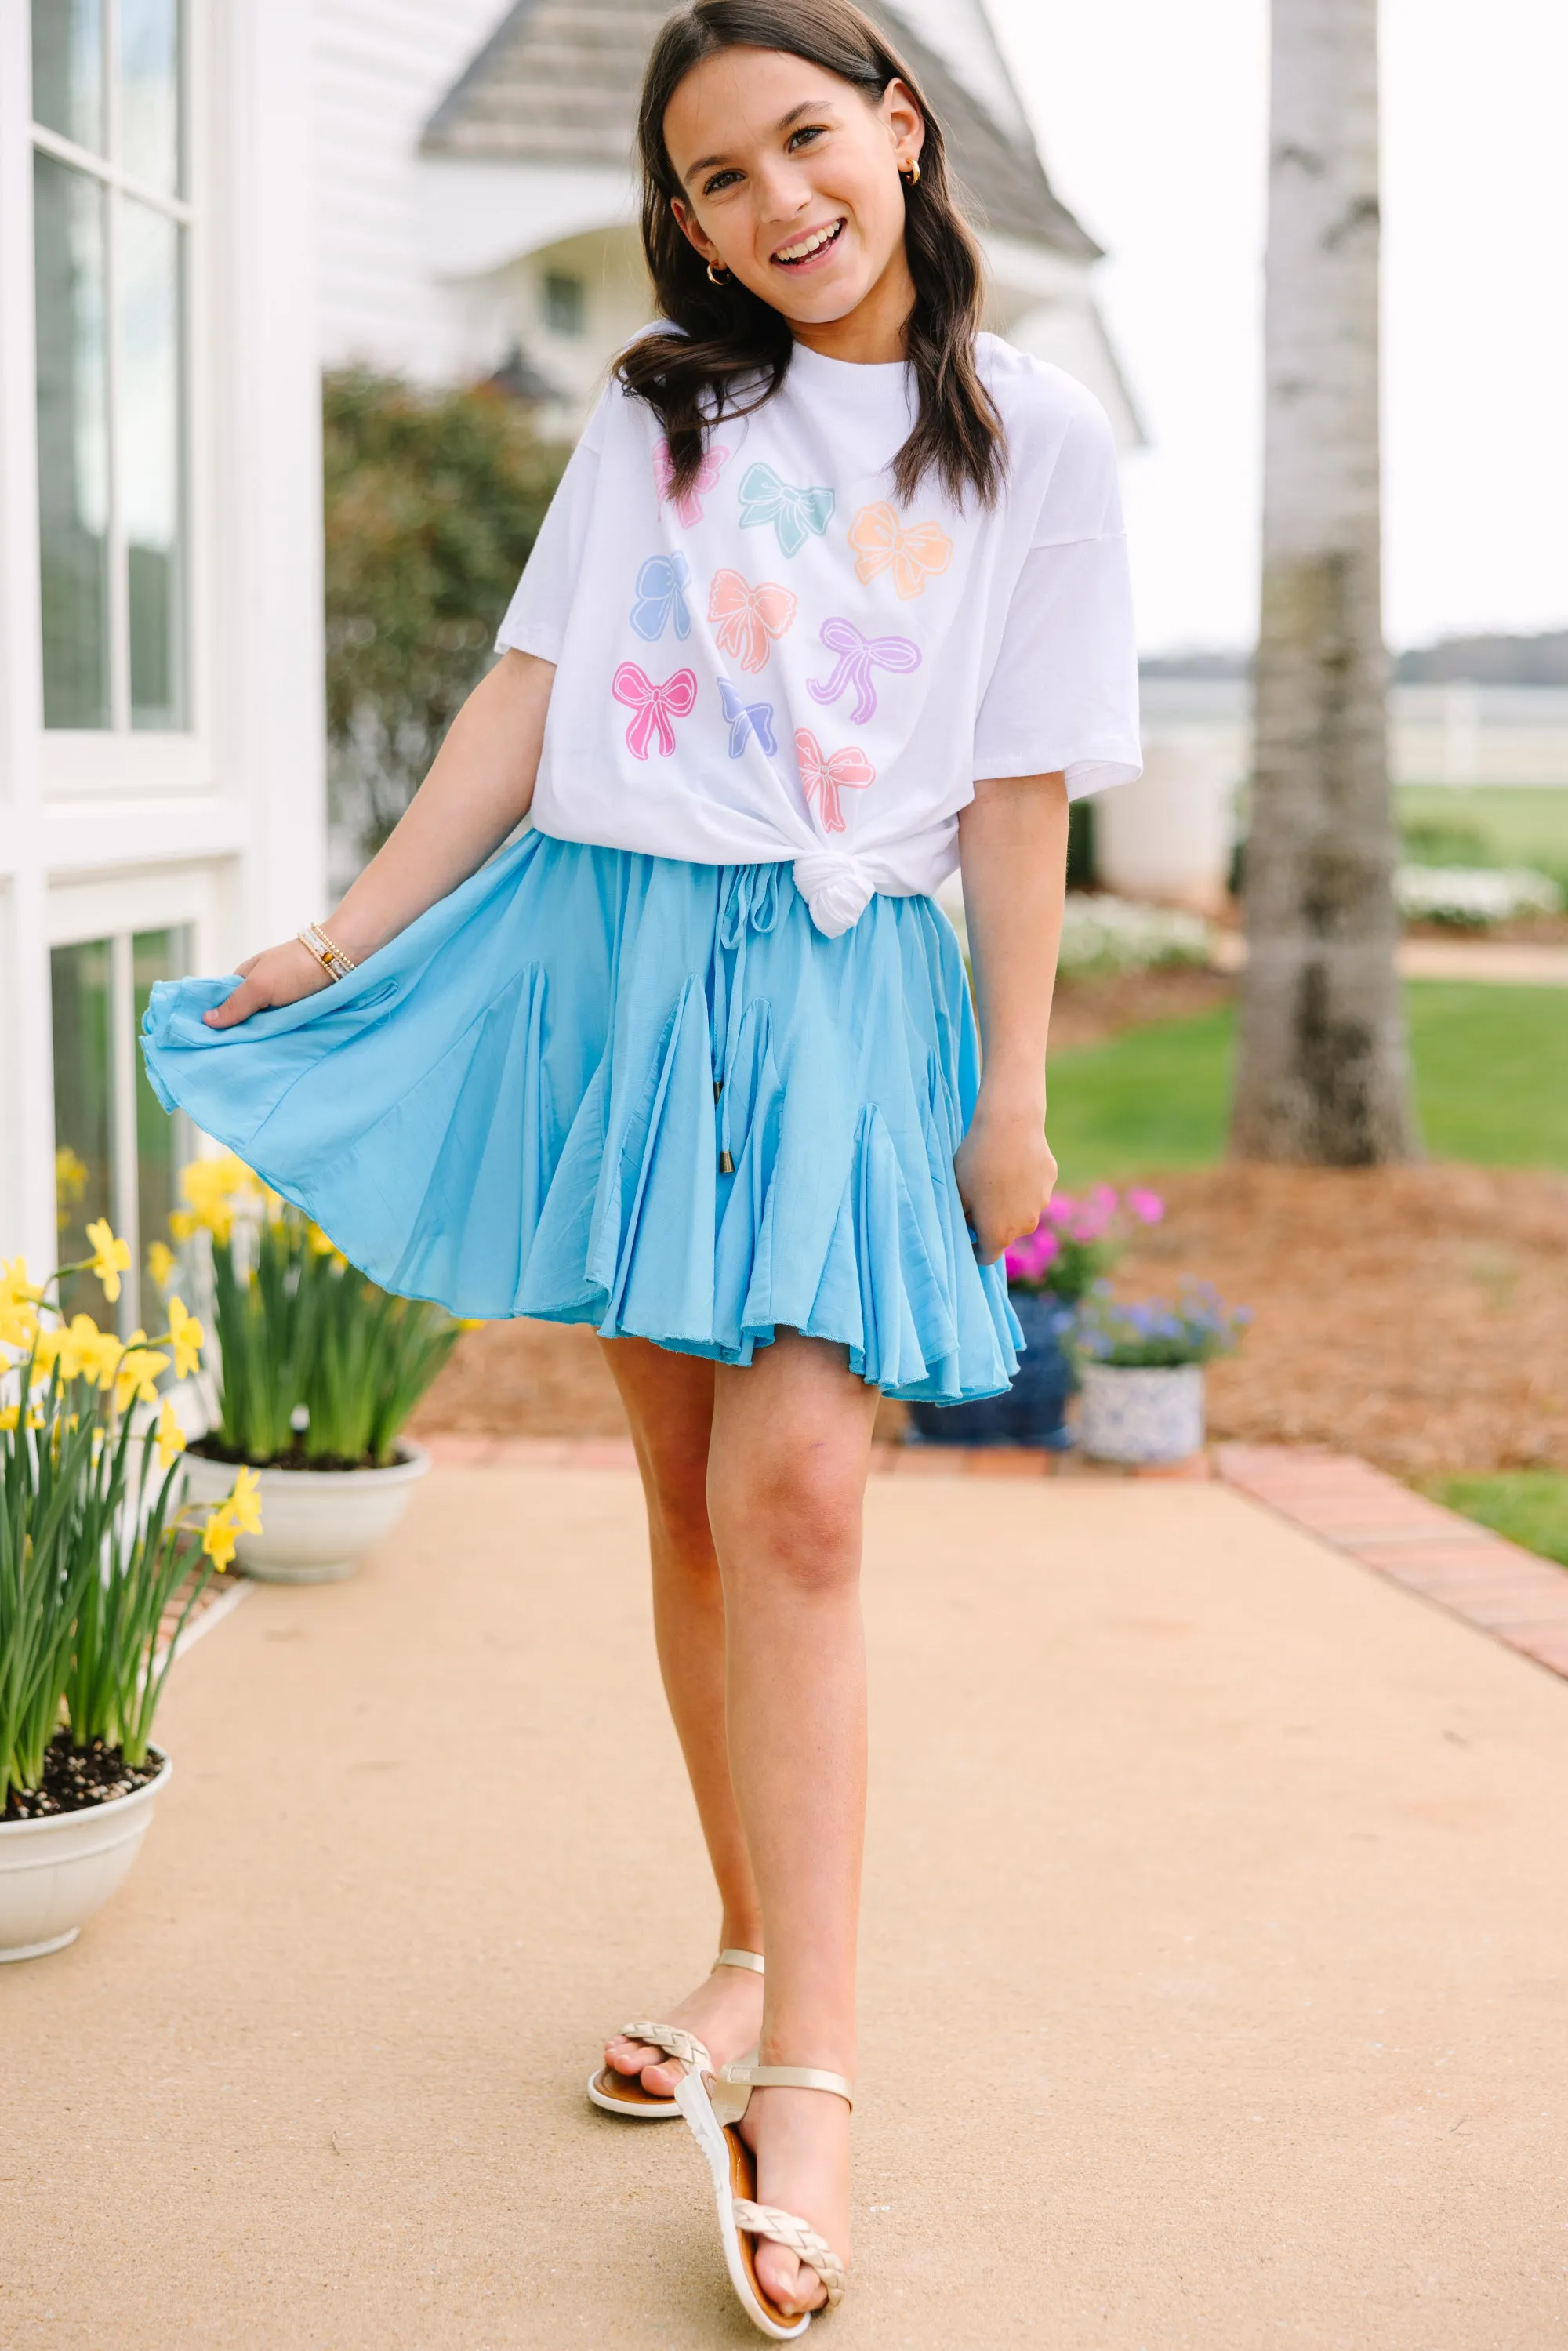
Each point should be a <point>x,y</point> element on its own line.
<point>669,1402</point>
<point>787,1466</point>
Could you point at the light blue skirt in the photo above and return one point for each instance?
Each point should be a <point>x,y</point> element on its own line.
<point>597,1087</point>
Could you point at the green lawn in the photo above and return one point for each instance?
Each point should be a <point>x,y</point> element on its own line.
<point>1527,1506</point>
<point>1491,1069</point>
<point>1493,824</point>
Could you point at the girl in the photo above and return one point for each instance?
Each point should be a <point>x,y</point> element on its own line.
<point>692,1058</point>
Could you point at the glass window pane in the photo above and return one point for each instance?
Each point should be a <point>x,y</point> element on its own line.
<point>148,448</point>
<point>84,1111</point>
<point>150,92</point>
<point>68,69</point>
<point>162,1141</point>
<point>73,443</point>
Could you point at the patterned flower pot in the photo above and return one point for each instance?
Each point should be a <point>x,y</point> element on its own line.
<point>1139,1415</point>
<point>315,1523</point>
<point>1032,1411</point>
<point>55,1872</point>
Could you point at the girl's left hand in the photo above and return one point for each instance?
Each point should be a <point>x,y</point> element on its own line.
<point>1005,1172</point>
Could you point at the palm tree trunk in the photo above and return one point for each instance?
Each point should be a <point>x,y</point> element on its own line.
<point>1323,1073</point>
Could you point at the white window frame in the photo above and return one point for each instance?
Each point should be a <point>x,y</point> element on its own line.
<point>81,762</point>
<point>116,909</point>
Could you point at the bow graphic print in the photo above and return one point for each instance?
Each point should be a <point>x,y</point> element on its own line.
<point>880,543</point>
<point>662,584</point>
<point>653,707</point>
<point>859,657</point>
<point>824,775</point>
<point>746,619</point>
<point>744,719</point>
<point>794,514</point>
<point>688,503</point>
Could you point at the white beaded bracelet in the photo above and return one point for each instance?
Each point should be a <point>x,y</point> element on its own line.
<point>332,960</point>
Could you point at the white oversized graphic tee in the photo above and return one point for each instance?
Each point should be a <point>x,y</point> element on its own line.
<point>784,661</point>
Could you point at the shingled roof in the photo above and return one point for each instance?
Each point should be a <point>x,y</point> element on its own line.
<point>558,82</point>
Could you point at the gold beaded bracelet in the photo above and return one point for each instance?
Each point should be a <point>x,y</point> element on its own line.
<point>332,960</point>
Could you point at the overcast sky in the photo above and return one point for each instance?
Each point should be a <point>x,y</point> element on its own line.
<point>1151,116</point>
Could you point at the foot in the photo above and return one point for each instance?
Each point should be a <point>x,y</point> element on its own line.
<point>726,2014</point>
<point>800,2139</point>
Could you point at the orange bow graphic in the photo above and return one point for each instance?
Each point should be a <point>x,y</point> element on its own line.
<point>881,542</point>
<point>747,619</point>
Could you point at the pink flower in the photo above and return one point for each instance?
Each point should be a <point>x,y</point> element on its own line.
<point>1061,1210</point>
<point>1028,1258</point>
<point>1147,1207</point>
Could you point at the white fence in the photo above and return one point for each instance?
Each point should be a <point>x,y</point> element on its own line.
<point>1170,835</point>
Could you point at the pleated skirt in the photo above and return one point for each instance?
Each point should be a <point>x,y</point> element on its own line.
<point>598,1087</point>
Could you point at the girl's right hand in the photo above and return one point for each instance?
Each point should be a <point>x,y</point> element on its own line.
<point>279,976</point>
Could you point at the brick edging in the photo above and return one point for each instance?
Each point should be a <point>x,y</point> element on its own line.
<point>451,1451</point>
<point>1494,1584</point>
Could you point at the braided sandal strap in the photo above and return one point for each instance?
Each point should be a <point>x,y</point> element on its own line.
<point>799,2237</point>
<point>685,2047</point>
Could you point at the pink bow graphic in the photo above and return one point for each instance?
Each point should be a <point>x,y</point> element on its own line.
<point>689,504</point>
<point>859,657</point>
<point>653,706</point>
<point>823,778</point>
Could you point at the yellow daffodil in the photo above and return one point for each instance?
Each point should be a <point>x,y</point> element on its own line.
<point>161,1263</point>
<point>84,1351</point>
<point>183,1222</point>
<point>110,1256</point>
<point>218,1537</point>
<point>70,1182</point>
<point>136,1374</point>
<point>245,1504</point>
<point>188,1337</point>
<point>320,1245</point>
<point>210,1188</point>
<point>18,1304</point>
<point>168,1436</point>
<point>9,1415</point>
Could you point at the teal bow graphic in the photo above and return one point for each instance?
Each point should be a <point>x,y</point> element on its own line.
<point>793,513</point>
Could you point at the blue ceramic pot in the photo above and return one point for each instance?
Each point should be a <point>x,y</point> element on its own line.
<point>1033,1411</point>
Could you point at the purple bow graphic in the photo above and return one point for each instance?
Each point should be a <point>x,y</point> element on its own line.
<point>859,658</point>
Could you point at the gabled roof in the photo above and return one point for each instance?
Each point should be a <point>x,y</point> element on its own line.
<point>558,82</point>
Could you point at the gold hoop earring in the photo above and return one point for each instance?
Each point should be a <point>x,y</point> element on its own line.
<point>719,277</point>
<point>910,174</point>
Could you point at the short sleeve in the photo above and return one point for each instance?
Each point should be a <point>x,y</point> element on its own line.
<point>1063,691</point>
<point>535,617</point>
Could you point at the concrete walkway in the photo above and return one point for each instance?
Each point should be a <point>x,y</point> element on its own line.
<point>1214,1962</point>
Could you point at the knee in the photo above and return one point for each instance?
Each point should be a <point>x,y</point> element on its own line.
<point>675,1484</point>
<point>796,1524</point>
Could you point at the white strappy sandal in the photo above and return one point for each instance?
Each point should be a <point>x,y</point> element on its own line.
<point>713,2105</point>
<point>622,2094</point>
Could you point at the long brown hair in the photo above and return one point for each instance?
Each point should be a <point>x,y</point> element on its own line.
<point>731,350</point>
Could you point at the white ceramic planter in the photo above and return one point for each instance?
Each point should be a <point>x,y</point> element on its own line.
<point>54,1872</point>
<point>316,1524</point>
<point>1141,1416</point>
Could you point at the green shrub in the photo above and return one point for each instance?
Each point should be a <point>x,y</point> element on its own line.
<point>433,503</point>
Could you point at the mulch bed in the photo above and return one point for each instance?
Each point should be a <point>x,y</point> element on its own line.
<point>1417,1316</point>
<point>77,1778</point>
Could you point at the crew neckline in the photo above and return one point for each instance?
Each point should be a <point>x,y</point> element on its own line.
<point>872,373</point>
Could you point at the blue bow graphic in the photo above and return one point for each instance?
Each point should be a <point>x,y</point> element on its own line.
<point>793,513</point>
<point>744,719</point>
<point>662,584</point>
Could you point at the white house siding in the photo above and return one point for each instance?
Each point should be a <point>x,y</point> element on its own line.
<point>381,67</point>
<point>218,829</point>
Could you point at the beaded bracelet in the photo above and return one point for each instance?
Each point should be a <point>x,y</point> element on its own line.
<point>332,960</point>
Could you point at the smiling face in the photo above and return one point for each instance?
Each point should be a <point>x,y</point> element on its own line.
<point>789,179</point>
